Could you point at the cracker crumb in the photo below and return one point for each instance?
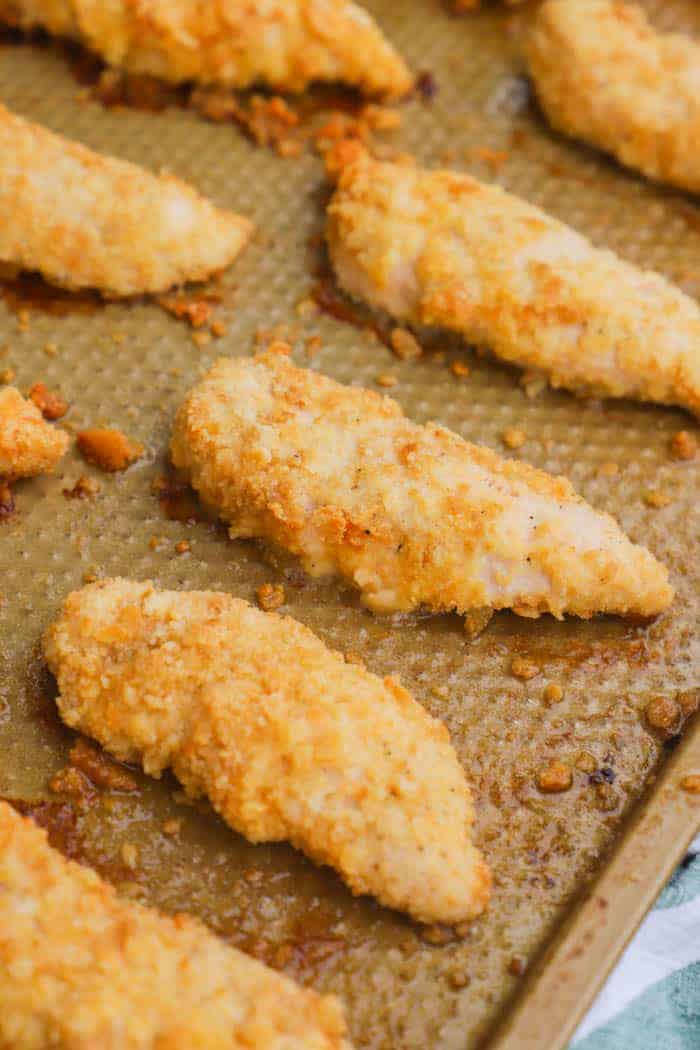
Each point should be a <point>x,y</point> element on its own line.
<point>657,499</point>
<point>691,783</point>
<point>555,777</point>
<point>52,406</point>
<point>684,445</point>
<point>172,826</point>
<point>404,344</point>
<point>108,448</point>
<point>459,369</point>
<point>182,547</point>
<point>386,380</point>
<point>130,854</point>
<point>83,488</point>
<point>663,713</point>
<point>218,329</point>
<point>553,693</point>
<point>513,437</point>
<point>608,470</point>
<point>521,667</point>
<point>7,375</point>
<point>270,596</point>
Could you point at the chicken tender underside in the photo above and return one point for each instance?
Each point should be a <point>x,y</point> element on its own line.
<point>438,248</point>
<point>412,515</point>
<point>84,220</point>
<point>234,43</point>
<point>287,740</point>
<point>81,969</point>
<point>603,74</point>
<point>28,444</point>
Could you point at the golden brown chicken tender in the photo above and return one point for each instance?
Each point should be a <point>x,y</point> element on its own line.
<point>81,969</point>
<point>28,444</point>
<point>286,44</point>
<point>440,248</point>
<point>287,740</point>
<point>87,221</point>
<point>604,75</point>
<point>411,515</point>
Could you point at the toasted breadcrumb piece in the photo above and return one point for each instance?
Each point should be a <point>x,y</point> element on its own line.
<point>88,221</point>
<point>287,739</point>
<point>411,515</point>
<point>234,43</point>
<point>108,448</point>
<point>80,968</point>
<point>28,445</point>
<point>604,75</point>
<point>52,406</point>
<point>439,248</point>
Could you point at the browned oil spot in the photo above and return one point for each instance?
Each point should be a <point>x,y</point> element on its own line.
<point>7,501</point>
<point>60,819</point>
<point>332,302</point>
<point>31,292</point>
<point>178,500</point>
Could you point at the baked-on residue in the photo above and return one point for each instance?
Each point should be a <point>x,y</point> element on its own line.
<point>88,221</point>
<point>603,74</point>
<point>81,969</point>
<point>287,740</point>
<point>235,43</point>
<point>440,248</point>
<point>28,444</point>
<point>411,515</point>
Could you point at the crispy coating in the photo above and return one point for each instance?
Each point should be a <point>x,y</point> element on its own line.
<point>412,515</point>
<point>28,444</point>
<point>286,44</point>
<point>287,740</point>
<point>81,969</point>
<point>84,220</point>
<point>604,75</point>
<point>438,248</point>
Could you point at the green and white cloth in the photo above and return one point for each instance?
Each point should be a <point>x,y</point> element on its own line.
<point>652,999</point>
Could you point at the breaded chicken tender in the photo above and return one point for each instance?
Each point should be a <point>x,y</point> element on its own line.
<point>604,75</point>
<point>414,516</point>
<point>28,444</point>
<point>287,740</point>
<point>286,44</point>
<point>87,221</point>
<point>438,248</point>
<point>82,970</point>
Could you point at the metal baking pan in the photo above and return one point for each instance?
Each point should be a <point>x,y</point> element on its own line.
<point>574,872</point>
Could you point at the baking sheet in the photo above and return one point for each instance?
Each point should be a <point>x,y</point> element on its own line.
<point>129,365</point>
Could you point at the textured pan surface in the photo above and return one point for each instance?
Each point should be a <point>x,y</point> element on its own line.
<point>130,365</point>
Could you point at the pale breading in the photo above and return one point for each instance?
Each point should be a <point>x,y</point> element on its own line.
<point>87,221</point>
<point>287,740</point>
<point>603,74</point>
<point>286,44</point>
<point>28,444</point>
<point>81,969</point>
<point>411,515</point>
<point>440,248</point>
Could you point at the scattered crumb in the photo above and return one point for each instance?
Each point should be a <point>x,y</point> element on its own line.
<point>513,437</point>
<point>108,448</point>
<point>156,541</point>
<point>196,311</point>
<point>521,667</point>
<point>517,966</point>
<point>555,777</point>
<point>172,826</point>
<point>72,782</point>
<point>459,369</point>
<point>270,596</point>
<point>585,762</point>
<point>608,470</point>
<point>386,380</point>
<point>684,445</point>
<point>663,713</point>
<point>655,498</point>
<point>437,934</point>
<point>118,338</point>
<point>553,693</point>
<point>83,488</point>
<point>404,344</point>
<point>476,621</point>
<point>182,547</point>
<point>130,855</point>
<point>218,329</point>
<point>7,375</point>
<point>52,406</point>
<point>50,349</point>
<point>691,783</point>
